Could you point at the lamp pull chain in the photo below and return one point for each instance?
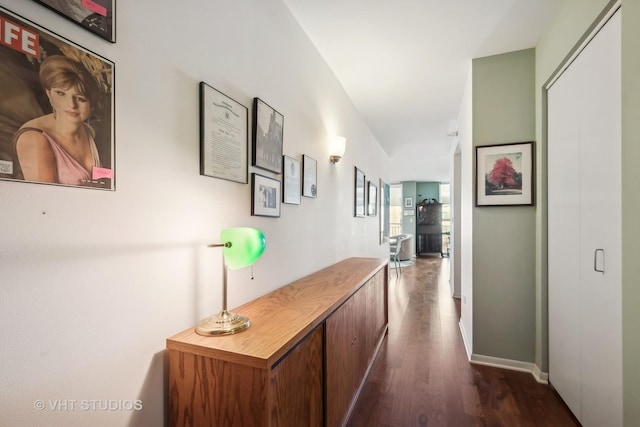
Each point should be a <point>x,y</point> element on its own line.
<point>251,271</point>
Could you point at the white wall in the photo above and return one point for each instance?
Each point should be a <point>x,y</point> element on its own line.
<point>93,282</point>
<point>465,142</point>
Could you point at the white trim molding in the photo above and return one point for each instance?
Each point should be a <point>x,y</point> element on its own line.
<point>513,365</point>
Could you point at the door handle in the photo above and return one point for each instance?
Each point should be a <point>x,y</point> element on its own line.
<point>598,261</point>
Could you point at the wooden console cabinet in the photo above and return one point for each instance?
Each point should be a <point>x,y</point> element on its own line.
<point>302,361</point>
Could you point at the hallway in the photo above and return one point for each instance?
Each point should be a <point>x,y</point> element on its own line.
<point>422,377</point>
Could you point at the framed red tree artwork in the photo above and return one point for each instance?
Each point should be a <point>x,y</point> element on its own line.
<point>504,174</point>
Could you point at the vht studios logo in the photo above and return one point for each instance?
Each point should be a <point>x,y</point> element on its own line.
<point>70,405</point>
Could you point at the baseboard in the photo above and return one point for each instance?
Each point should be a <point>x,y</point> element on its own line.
<point>514,365</point>
<point>467,347</point>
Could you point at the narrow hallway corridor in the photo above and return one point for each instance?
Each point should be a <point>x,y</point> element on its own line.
<point>422,376</point>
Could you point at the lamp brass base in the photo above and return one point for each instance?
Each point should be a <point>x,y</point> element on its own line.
<point>223,323</point>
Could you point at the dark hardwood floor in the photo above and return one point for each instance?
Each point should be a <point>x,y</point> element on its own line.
<point>422,376</point>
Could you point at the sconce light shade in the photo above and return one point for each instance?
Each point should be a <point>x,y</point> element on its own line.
<point>242,246</point>
<point>338,145</point>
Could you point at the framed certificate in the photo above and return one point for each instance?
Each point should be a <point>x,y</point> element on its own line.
<point>291,181</point>
<point>223,136</point>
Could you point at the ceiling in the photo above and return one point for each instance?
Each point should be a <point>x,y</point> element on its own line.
<point>404,63</point>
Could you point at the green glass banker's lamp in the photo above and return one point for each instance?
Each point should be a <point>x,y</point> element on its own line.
<point>242,246</point>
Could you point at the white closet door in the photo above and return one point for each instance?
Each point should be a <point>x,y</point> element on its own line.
<point>585,328</point>
<point>564,238</point>
<point>600,199</point>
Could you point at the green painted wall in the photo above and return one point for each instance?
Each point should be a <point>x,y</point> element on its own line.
<point>504,238</point>
<point>428,190</point>
<point>572,20</point>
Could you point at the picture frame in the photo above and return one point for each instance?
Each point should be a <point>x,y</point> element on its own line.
<point>290,180</point>
<point>26,102</point>
<point>408,202</point>
<point>95,16</point>
<point>385,207</point>
<point>505,174</point>
<point>224,140</point>
<point>359,194</point>
<point>372,199</point>
<point>267,137</point>
<point>265,196</point>
<point>310,177</point>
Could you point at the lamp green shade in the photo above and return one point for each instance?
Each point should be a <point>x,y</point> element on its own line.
<point>243,246</point>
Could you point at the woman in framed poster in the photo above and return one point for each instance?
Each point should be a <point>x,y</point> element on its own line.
<point>56,110</point>
<point>59,147</point>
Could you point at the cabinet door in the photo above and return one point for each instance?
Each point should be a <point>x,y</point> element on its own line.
<point>376,314</point>
<point>340,337</point>
<point>296,385</point>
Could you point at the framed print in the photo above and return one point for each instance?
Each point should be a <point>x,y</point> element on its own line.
<point>385,205</point>
<point>268,126</point>
<point>504,174</point>
<point>408,202</point>
<point>310,176</point>
<point>372,199</point>
<point>97,16</point>
<point>359,202</point>
<point>291,181</point>
<point>223,136</point>
<point>265,194</point>
<point>35,116</point>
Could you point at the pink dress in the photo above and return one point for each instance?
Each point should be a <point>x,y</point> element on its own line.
<point>69,171</point>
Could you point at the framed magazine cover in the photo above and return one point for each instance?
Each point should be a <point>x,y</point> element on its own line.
<point>32,147</point>
<point>96,16</point>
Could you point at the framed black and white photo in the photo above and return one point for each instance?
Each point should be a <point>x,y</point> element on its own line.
<point>223,136</point>
<point>268,131</point>
<point>504,174</point>
<point>291,180</point>
<point>265,192</point>
<point>359,193</point>
<point>310,177</point>
<point>33,111</point>
<point>408,202</point>
<point>97,16</point>
<point>372,199</point>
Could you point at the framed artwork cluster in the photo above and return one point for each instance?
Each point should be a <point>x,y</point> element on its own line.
<point>224,152</point>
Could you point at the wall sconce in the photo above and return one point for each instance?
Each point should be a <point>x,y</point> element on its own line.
<point>336,150</point>
<point>242,246</point>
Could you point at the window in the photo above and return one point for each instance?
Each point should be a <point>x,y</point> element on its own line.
<point>395,210</point>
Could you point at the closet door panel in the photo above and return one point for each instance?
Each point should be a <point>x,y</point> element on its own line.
<point>600,182</point>
<point>564,238</point>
